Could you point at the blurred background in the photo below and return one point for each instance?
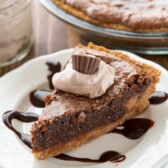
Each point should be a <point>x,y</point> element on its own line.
<point>51,35</point>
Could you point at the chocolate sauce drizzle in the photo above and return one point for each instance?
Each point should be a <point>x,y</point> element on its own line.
<point>24,117</point>
<point>53,67</point>
<point>111,156</point>
<point>158,97</point>
<point>37,97</point>
<point>8,116</point>
<point>134,128</point>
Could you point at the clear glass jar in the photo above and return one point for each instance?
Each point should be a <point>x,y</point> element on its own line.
<point>15,30</point>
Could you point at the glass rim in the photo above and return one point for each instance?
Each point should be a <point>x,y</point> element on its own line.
<point>28,3</point>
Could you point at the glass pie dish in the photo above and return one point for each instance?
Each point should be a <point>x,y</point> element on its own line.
<point>142,43</point>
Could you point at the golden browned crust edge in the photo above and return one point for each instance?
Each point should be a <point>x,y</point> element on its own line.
<point>141,105</point>
<point>149,70</point>
<point>69,9</point>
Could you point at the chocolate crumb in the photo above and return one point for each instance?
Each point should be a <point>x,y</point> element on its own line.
<point>81,117</point>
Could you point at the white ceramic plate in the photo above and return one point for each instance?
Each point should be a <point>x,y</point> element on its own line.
<point>14,94</point>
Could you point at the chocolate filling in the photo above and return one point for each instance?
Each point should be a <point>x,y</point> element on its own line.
<point>66,116</point>
<point>66,127</point>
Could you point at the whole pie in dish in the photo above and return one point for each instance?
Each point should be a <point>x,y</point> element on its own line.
<point>98,90</point>
<point>129,15</point>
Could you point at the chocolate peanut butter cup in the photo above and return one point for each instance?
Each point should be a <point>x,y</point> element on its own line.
<point>85,63</point>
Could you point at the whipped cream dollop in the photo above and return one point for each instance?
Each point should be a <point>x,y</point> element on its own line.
<point>92,86</point>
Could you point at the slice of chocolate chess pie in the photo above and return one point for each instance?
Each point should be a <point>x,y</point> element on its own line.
<point>98,90</point>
